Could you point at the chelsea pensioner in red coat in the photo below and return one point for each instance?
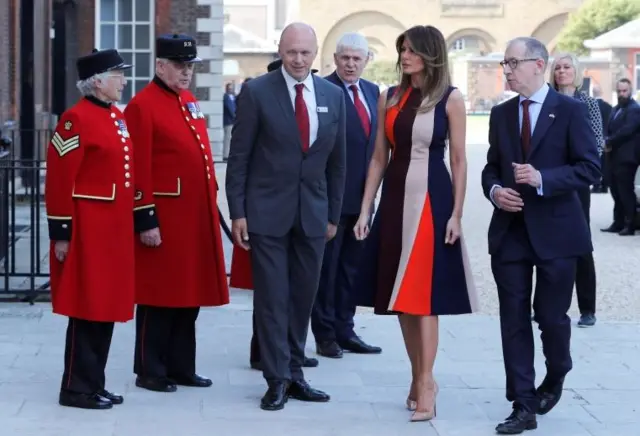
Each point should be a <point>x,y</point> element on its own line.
<point>179,258</point>
<point>89,192</point>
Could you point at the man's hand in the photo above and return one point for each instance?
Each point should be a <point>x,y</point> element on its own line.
<point>508,199</point>
<point>525,174</point>
<point>240,233</point>
<point>61,249</point>
<point>151,238</point>
<point>332,229</point>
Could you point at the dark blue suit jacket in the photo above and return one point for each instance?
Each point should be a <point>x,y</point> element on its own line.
<point>565,151</point>
<point>228,110</point>
<point>359,147</point>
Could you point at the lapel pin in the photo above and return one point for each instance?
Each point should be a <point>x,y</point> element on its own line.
<point>552,116</point>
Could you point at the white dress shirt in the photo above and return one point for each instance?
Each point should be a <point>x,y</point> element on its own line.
<point>309,95</point>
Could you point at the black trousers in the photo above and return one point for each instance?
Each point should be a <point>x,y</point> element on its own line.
<point>254,353</point>
<point>85,355</point>
<point>165,341</point>
<point>334,308</point>
<point>513,270</point>
<point>585,266</point>
<point>623,193</point>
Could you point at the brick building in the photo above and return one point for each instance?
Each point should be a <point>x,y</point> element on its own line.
<point>66,29</point>
<point>131,27</point>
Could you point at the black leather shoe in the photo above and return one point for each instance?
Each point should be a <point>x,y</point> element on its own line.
<point>613,228</point>
<point>519,421</point>
<point>329,349</point>
<point>84,401</point>
<point>358,346</point>
<point>627,231</point>
<point>194,381</point>
<point>300,390</point>
<point>275,397</point>
<point>114,398</point>
<point>156,384</point>
<point>549,394</point>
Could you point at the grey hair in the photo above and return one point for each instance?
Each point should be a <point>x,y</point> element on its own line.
<point>353,41</point>
<point>87,87</point>
<point>533,48</point>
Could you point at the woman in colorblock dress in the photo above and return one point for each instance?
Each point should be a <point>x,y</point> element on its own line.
<point>416,264</point>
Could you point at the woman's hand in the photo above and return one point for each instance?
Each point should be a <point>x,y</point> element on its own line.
<point>361,229</point>
<point>453,230</point>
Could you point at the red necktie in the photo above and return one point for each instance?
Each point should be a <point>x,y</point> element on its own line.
<point>362,111</point>
<point>525,134</point>
<point>302,117</point>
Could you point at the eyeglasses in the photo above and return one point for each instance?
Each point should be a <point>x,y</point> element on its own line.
<point>513,63</point>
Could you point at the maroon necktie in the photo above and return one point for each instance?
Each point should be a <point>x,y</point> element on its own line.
<point>525,134</point>
<point>302,117</point>
<point>362,111</point>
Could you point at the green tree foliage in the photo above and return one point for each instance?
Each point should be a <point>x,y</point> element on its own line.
<point>594,18</point>
<point>381,72</point>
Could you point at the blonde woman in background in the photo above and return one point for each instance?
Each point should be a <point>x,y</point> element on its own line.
<point>567,76</point>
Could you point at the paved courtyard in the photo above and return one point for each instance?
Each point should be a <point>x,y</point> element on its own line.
<point>368,392</point>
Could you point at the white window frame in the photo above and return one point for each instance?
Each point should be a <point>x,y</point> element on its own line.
<point>131,80</point>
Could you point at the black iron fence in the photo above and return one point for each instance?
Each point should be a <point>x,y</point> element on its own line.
<point>24,240</point>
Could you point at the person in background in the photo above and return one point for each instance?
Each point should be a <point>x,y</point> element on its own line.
<point>567,76</point>
<point>602,187</point>
<point>334,309</point>
<point>622,138</point>
<point>180,263</point>
<point>89,197</point>
<point>228,117</point>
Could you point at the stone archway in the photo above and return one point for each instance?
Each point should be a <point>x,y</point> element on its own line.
<point>476,41</point>
<point>381,30</point>
<point>549,30</point>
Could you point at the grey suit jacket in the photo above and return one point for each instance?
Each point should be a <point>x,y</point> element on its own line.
<point>270,180</point>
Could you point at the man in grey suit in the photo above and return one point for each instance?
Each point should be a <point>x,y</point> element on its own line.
<point>285,182</point>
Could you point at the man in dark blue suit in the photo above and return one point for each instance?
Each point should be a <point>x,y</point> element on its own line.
<point>541,152</point>
<point>333,311</point>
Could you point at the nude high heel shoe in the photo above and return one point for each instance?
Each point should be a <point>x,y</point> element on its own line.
<point>427,414</point>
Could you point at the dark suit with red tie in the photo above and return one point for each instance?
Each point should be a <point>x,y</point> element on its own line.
<point>549,234</point>
<point>333,311</point>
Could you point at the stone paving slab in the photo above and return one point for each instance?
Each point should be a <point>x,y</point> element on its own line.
<point>368,392</point>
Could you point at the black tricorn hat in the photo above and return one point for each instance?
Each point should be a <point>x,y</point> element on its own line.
<point>177,47</point>
<point>100,61</point>
<point>278,63</point>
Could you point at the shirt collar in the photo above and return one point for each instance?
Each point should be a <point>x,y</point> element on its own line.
<point>348,85</point>
<point>538,96</point>
<point>291,82</point>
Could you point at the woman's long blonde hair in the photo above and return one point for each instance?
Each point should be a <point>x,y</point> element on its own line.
<point>428,43</point>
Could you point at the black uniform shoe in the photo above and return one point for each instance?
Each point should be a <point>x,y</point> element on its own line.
<point>613,228</point>
<point>358,346</point>
<point>114,398</point>
<point>300,390</point>
<point>194,381</point>
<point>156,384</point>
<point>519,421</point>
<point>329,349</point>
<point>84,401</point>
<point>275,397</point>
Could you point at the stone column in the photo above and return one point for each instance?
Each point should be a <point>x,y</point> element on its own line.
<point>212,54</point>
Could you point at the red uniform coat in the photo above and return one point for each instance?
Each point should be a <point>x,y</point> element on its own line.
<point>89,193</point>
<point>176,190</point>
<point>241,276</point>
